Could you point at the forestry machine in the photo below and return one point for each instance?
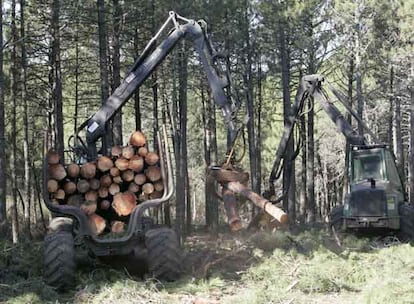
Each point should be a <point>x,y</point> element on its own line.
<point>144,245</point>
<point>375,198</point>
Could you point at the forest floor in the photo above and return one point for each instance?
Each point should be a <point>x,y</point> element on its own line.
<point>260,267</point>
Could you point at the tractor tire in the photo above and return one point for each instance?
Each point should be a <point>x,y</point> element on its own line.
<point>59,260</point>
<point>164,254</point>
<point>335,218</point>
<point>406,233</point>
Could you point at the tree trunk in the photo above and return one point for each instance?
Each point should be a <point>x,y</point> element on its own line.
<point>26,154</point>
<point>3,215</point>
<point>116,69</point>
<point>412,143</point>
<point>259,126</point>
<point>137,106</point>
<point>13,156</point>
<point>310,167</point>
<point>399,147</point>
<point>57,79</point>
<point>103,62</point>
<point>289,183</point>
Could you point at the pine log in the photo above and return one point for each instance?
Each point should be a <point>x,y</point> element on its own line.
<point>94,184</point>
<point>104,163</point>
<point>155,195</point>
<point>124,203</point>
<point>117,180</point>
<point>69,187</point>
<point>53,157</point>
<point>103,192</point>
<point>52,186</point>
<point>140,179</point>
<point>57,172</point>
<point>91,196</point>
<point>137,139</point>
<point>114,189</point>
<point>143,197</point>
<point>89,207</point>
<point>73,170</point>
<point>117,227</point>
<point>159,186</point>
<point>82,186</point>
<point>230,206</point>
<point>59,194</point>
<point>136,163</point>
<point>75,200</point>
<point>122,163</point>
<point>114,171</point>
<point>142,151</point>
<point>153,173</point>
<point>128,152</point>
<point>106,181</point>
<point>258,200</point>
<point>88,170</point>
<point>96,223</point>
<point>148,188</point>
<point>105,204</point>
<point>152,158</point>
<point>116,151</point>
<point>128,175</point>
<point>133,187</point>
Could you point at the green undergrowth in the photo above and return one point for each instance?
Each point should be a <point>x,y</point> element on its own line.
<point>306,267</point>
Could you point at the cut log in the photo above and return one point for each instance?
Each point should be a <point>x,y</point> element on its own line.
<point>103,192</point>
<point>52,185</point>
<point>96,223</point>
<point>122,164</point>
<point>88,170</point>
<point>258,200</point>
<point>69,187</point>
<point>114,189</point>
<point>230,206</point>
<point>94,184</point>
<point>137,139</point>
<point>114,171</point>
<point>124,203</point>
<point>140,179</point>
<point>142,151</point>
<point>53,157</point>
<point>155,195</point>
<point>133,187</point>
<point>75,200</point>
<point>117,180</point>
<point>73,170</point>
<point>59,194</point>
<point>148,188</point>
<point>159,186</point>
<point>128,152</point>
<point>105,204</point>
<point>143,197</point>
<point>57,172</point>
<point>106,181</point>
<point>128,175</point>
<point>104,163</point>
<point>89,207</point>
<point>117,227</point>
<point>153,173</point>
<point>116,151</point>
<point>91,196</point>
<point>82,186</point>
<point>136,163</point>
<point>152,158</point>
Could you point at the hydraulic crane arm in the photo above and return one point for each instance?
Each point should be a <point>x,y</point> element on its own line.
<point>151,57</point>
<point>311,87</point>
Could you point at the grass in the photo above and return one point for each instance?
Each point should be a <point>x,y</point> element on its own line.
<point>278,267</point>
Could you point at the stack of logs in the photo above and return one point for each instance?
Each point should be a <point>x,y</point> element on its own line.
<point>108,189</point>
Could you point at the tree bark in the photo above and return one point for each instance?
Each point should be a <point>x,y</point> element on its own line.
<point>411,89</point>
<point>14,93</point>
<point>103,61</point>
<point>116,69</point>
<point>26,154</point>
<point>399,147</point>
<point>3,189</point>
<point>137,106</point>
